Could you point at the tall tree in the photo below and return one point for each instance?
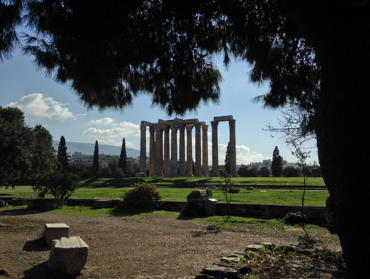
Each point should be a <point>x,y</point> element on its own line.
<point>227,159</point>
<point>313,53</point>
<point>123,157</point>
<point>17,145</point>
<point>43,160</point>
<point>62,154</point>
<point>277,163</point>
<point>96,160</point>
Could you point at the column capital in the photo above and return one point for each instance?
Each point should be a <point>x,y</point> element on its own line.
<point>189,127</point>
<point>214,124</point>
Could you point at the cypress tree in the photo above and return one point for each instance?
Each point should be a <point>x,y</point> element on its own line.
<point>96,159</point>
<point>123,157</point>
<point>227,159</point>
<point>277,163</point>
<point>62,154</point>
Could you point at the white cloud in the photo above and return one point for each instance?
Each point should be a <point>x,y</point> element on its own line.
<point>125,129</point>
<point>39,106</point>
<point>104,121</point>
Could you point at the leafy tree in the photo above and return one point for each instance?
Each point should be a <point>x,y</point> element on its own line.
<point>96,160</point>
<point>242,171</point>
<point>226,188</point>
<point>123,157</point>
<point>277,163</point>
<point>43,160</point>
<point>313,53</point>
<point>316,172</point>
<point>83,170</point>
<point>227,158</point>
<point>265,172</point>
<point>59,184</point>
<point>62,154</point>
<point>290,172</point>
<point>17,144</point>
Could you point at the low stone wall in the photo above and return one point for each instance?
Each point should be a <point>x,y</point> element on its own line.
<point>315,213</point>
<point>271,211</point>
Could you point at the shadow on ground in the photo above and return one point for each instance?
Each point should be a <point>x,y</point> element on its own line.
<point>20,211</point>
<point>41,271</point>
<point>36,245</point>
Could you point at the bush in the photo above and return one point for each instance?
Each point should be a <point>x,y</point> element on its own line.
<point>3,203</point>
<point>142,192</point>
<point>295,218</point>
<point>290,172</point>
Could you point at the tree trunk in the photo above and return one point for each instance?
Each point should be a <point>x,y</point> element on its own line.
<point>341,36</point>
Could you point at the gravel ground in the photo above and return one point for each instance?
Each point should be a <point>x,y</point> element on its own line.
<point>151,246</point>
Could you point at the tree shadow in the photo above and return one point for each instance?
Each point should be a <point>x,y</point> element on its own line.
<point>209,230</point>
<point>124,212</point>
<point>42,271</point>
<point>21,211</point>
<point>36,245</point>
<point>306,242</point>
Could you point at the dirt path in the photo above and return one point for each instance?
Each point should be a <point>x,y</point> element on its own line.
<point>123,247</point>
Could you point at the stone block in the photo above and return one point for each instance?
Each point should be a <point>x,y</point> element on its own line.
<point>68,255</point>
<point>211,207</point>
<point>198,195</point>
<point>55,231</point>
<point>223,118</point>
<point>46,204</point>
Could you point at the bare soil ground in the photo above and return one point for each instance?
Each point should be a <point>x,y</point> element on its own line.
<point>127,246</point>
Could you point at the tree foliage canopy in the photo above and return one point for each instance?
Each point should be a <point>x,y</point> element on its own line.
<point>62,154</point>
<point>123,157</point>
<point>277,163</point>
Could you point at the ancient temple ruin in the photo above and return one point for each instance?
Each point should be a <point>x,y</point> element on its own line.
<point>160,163</point>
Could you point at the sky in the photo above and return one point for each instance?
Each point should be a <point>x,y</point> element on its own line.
<point>57,107</point>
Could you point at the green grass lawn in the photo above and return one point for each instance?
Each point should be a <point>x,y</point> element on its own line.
<point>261,196</point>
<point>191,181</point>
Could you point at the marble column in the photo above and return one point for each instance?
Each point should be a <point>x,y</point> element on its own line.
<point>205,150</point>
<point>158,150</point>
<point>232,148</point>
<point>198,151</point>
<point>174,166</point>
<point>151,151</point>
<point>182,151</point>
<point>214,148</point>
<point>189,150</point>
<point>142,148</point>
<point>166,169</point>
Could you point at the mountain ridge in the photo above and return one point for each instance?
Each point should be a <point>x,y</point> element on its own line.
<point>88,148</point>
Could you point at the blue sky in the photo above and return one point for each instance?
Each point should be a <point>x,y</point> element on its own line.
<point>56,107</point>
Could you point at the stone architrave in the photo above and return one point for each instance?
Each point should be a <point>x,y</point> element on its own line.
<point>68,255</point>
<point>205,150</point>
<point>232,148</point>
<point>214,148</point>
<point>189,127</point>
<point>166,168</point>
<point>158,150</point>
<point>174,166</point>
<point>198,151</point>
<point>142,147</point>
<point>182,151</point>
<point>151,151</point>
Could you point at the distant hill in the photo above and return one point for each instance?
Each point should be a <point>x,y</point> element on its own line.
<point>88,148</point>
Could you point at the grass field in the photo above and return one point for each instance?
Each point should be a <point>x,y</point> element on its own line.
<point>191,181</point>
<point>261,196</point>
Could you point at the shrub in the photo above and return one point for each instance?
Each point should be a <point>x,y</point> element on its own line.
<point>142,192</point>
<point>294,217</point>
<point>3,203</point>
